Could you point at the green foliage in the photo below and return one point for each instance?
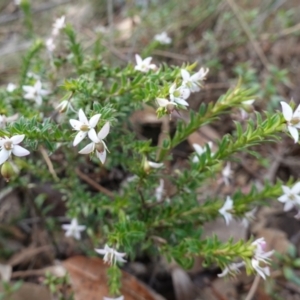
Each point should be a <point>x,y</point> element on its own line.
<point>131,217</point>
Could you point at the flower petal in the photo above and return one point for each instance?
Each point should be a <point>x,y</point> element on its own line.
<point>101,156</point>
<point>38,86</point>
<point>172,88</point>
<point>82,117</point>
<point>138,59</point>
<point>79,137</point>
<point>104,131</point>
<point>93,135</point>
<point>195,159</point>
<point>155,165</point>
<point>288,206</point>
<point>184,92</point>
<point>198,149</point>
<point>286,189</point>
<point>4,155</point>
<point>283,198</point>
<point>181,101</point>
<point>75,124</point>
<point>297,112</point>
<point>28,89</point>
<point>94,120</point>
<point>296,188</point>
<point>16,139</point>
<point>20,151</point>
<point>185,74</point>
<point>147,61</point>
<point>162,102</point>
<point>286,111</point>
<point>87,149</point>
<point>294,133</point>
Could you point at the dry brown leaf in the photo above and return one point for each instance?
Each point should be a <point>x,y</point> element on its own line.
<point>29,291</point>
<point>89,281</point>
<point>25,256</point>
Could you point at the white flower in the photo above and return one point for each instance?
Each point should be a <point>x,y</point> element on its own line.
<point>17,2</point>
<point>64,106</point>
<point>159,191</point>
<point>58,25</point>
<point>4,119</point>
<point>193,82</point>
<point>32,75</point>
<point>97,143</point>
<point>226,209</point>
<point>261,257</point>
<point>144,65</point>
<point>200,150</point>
<point>11,87</point>
<point>179,95</point>
<point>163,38</point>
<point>168,105</point>
<point>35,92</point>
<point>247,107</point>
<point>232,269</point>
<point>290,197</point>
<point>111,256</point>
<point>10,145</point>
<point>155,165</point>
<point>249,216</point>
<point>147,165</point>
<point>119,298</point>
<point>73,229</point>
<point>292,119</point>
<point>84,126</point>
<point>227,174</point>
<point>50,45</point>
<point>262,271</point>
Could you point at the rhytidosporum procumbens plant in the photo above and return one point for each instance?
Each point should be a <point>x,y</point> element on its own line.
<point>90,122</point>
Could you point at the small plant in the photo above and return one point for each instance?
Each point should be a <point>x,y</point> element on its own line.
<point>56,286</point>
<point>8,289</point>
<point>89,125</point>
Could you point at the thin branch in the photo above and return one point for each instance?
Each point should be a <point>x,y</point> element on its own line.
<point>94,184</point>
<point>49,163</point>
<point>253,288</point>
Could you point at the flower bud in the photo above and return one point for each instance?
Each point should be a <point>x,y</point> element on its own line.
<point>7,171</point>
<point>146,166</point>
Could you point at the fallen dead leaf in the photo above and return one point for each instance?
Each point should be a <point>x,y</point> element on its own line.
<point>88,279</point>
<point>26,254</point>
<point>29,291</point>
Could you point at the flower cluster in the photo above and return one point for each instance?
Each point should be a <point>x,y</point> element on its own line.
<point>259,260</point>
<point>291,197</point>
<point>111,256</point>
<point>228,208</point>
<point>292,120</point>
<point>58,25</point>
<point>200,150</point>
<point>85,128</point>
<point>144,65</point>
<point>163,38</point>
<point>35,92</point>
<point>179,95</point>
